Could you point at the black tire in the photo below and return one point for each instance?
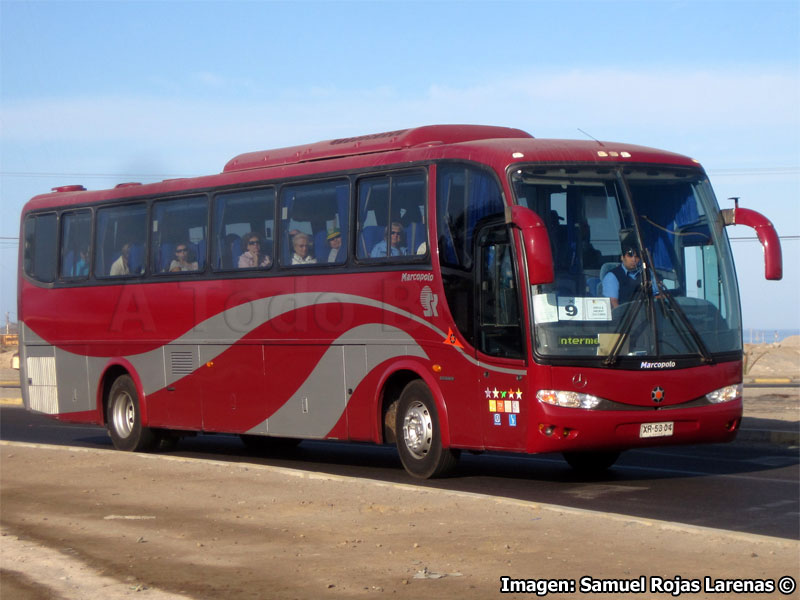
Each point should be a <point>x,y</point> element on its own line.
<point>125,418</point>
<point>418,433</point>
<point>591,463</point>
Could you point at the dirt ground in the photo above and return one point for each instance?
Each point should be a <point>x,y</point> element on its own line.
<point>781,359</point>
<point>87,524</point>
<point>155,526</point>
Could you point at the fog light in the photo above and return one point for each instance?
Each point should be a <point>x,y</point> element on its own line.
<point>733,425</point>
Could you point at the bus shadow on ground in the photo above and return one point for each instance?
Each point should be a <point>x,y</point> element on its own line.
<point>383,463</point>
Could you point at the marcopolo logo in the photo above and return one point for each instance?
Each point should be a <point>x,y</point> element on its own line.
<point>668,364</point>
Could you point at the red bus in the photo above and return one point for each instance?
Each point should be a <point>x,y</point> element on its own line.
<point>443,288</point>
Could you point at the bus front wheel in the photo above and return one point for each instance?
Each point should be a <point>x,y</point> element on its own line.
<point>125,418</point>
<point>419,438</point>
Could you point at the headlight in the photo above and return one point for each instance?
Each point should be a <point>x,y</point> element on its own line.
<point>568,399</point>
<point>726,394</point>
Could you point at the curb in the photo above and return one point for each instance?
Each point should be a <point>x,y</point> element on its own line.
<point>784,438</point>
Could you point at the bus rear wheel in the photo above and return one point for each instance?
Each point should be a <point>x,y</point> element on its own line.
<point>125,418</point>
<point>589,463</point>
<point>419,439</point>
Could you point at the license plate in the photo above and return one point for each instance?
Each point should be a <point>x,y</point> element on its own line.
<point>650,430</point>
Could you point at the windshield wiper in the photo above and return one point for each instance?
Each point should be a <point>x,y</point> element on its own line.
<point>644,294</point>
<point>672,304</point>
<point>627,324</point>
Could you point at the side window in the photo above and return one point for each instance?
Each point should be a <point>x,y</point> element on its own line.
<point>392,217</point>
<point>179,234</point>
<point>244,229</point>
<point>119,249</point>
<point>499,318</point>
<point>40,247</point>
<point>465,195</point>
<point>76,239</point>
<point>314,223</point>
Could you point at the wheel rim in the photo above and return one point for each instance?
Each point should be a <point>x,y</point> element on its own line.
<point>418,430</point>
<point>124,414</point>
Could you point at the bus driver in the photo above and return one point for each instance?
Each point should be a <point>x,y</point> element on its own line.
<point>621,283</point>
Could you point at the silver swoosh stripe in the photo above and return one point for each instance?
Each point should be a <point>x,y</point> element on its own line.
<point>320,401</point>
<point>219,332</point>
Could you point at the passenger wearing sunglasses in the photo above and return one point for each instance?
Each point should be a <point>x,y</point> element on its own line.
<point>182,260</point>
<point>395,233</point>
<point>621,283</point>
<point>252,256</point>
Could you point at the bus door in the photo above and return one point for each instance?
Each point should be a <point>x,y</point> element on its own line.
<point>500,339</point>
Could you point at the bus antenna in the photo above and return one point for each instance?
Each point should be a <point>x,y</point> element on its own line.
<point>591,137</point>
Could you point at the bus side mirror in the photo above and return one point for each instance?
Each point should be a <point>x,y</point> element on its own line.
<point>536,242</point>
<point>765,230</point>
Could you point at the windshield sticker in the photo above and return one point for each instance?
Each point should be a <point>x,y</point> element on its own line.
<point>584,309</point>
<point>549,308</point>
<point>545,309</point>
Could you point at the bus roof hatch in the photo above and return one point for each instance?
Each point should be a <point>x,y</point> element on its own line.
<point>427,135</point>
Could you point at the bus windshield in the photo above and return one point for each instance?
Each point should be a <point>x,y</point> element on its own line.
<point>642,265</point>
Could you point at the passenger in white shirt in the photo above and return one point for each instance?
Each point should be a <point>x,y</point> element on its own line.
<point>301,243</point>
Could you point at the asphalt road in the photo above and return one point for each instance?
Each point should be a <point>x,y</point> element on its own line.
<point>738,487</point>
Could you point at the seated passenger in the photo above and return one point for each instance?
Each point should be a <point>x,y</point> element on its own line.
<point>301,244</point>
<point>252,256</point>
<point>395,232</point>
<point>81,268</point>
<point>181,262</point>
<point>121,266</point>
<point>337,252</point>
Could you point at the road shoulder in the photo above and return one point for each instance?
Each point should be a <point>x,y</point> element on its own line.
<point>202,528</point>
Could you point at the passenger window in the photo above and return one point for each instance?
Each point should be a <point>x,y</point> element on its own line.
<point>392,217</point>
<point>244,226</point>
<point>76,239</point>
<point>119,249</point>
<point>39,254</point>
<point>179,234</point>
<point>465,195</point>
<point>314,223</point>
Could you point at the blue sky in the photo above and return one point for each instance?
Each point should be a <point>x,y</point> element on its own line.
<point>103,92</point>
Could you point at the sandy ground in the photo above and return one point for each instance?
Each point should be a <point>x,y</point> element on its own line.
<point>152,526</point>
<point>85,524</point>
<point>781,359</point>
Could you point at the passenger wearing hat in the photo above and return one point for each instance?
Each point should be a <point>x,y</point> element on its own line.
<point>336,254</point>
<point>621,283</point>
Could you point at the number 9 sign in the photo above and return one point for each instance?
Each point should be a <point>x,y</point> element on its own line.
<point>568,309</point>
